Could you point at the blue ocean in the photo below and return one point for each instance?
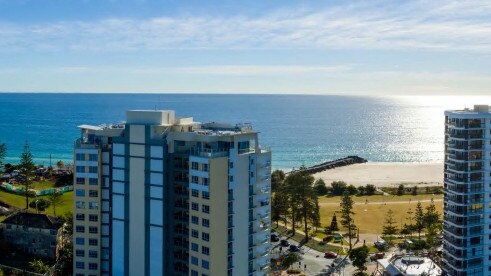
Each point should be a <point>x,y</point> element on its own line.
<point>300,129</point>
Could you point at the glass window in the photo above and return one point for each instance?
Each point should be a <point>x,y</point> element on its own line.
<point>93,254</point>
<point>80,192</point>
<point>194,273</point>
<point>205,167</point>
<point>93,205</point>
<point>194,179</point>
<point>205,209</point>
<point>93,169</point>
<point>80,253</point>
<point>80,204</point>
<point>93,181</point>
<point>195,193</point>
<point>80,216</point>
<point>194,233</point>
<point>195,206</point>
<point>80,180</point>
<point>93,266</point>
<point>205,222</point>
<point>195,220</point>
<point>93,157</point>
<point>205,181</point>
<point>80,265</point>
<point>93,229</point>
<point>80,169</point>
<point>93,217</point>
<point>205,195</point>
<point>194,247</point>
<point>231,178</point>
<point>80,157</point>
<point>194,165</point>
<point>231,165</point>
<point>80,229</point>
<point>93,193</point>
<point>93,242</point>
<point>194,260</point>
<point>205,236</point>
<point>205,250</point>
<point>205,264</point>
<point>80,241</point>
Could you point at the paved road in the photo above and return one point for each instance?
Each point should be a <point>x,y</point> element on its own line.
<point>312,262</point>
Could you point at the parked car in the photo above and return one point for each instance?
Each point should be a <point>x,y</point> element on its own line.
<point>294,248</point>
<point>380,244</point>
<point>330,255</point>
<point>377,256</point>
<point>284,243</point>
<point>275,238</point>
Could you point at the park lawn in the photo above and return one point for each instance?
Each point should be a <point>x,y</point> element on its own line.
<point>39,185</point>
<point>19,201</point>
<point>371,218</point>
<point>381,198</point>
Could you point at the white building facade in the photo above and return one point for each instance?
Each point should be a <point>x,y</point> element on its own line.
<point>467,187</point>
<point>177,197</point>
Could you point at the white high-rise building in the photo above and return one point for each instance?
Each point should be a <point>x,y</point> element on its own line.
<point>172,197</point>
<point>467,204</point>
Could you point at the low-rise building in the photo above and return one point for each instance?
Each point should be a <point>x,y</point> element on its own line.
<point>35,234</point>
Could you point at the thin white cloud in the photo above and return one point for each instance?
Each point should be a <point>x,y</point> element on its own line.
<point>442,25</point>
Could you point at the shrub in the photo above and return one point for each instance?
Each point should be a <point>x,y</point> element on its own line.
<point>42,204</point>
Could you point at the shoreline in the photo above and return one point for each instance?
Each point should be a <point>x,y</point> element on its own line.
<point>386,174</point>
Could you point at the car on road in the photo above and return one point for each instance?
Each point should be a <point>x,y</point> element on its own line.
<point>294,248</point>
<point>284,243</point>
<point>275,238</point>
<point>330,255</point>
<point>381,245</point>
<point>377,256</point>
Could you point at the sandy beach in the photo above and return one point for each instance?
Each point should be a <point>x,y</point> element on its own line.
<point>386,174</point>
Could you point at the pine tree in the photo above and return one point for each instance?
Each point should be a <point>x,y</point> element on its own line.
<point>419,219</point>
<point>26,168</point>
<point>334,224</point>
<point>389,228</point>
<point>302,198</point>
<point>55,199</point>
<point>347,215</point>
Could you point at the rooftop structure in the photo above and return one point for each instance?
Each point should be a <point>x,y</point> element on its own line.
<point>407,266</point>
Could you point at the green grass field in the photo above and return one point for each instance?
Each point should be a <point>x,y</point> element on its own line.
<point>19,201</point>
<point>370,218</point>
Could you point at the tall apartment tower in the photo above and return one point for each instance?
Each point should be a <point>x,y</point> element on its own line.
<point>161,195</point>
<point>467,204</point>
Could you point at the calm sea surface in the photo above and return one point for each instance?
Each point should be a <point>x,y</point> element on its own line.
<point>299,129</point>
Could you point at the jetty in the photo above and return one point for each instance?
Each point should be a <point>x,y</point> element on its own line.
<point>350,160</point>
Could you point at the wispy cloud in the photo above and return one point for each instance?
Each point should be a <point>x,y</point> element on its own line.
<point>442,25</point>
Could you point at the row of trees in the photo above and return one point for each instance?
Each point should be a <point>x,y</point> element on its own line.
<point>295,200</point>
<point>338,188</point>
<point>427,219</point>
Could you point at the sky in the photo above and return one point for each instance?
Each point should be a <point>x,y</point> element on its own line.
<point>289,47</point>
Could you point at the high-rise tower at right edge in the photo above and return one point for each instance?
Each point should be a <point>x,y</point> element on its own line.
<point>162,195</point>
<point>467,187</point>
